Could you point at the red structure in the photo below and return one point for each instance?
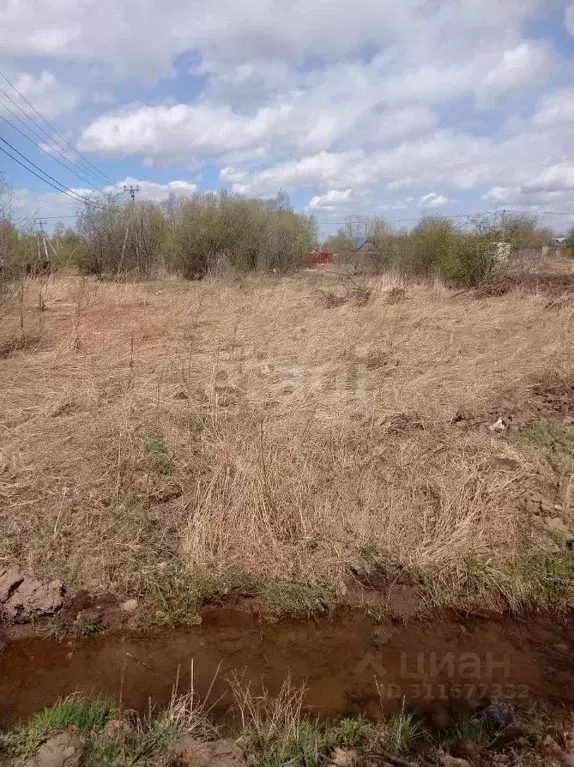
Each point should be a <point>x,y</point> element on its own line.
<point>317,259</point>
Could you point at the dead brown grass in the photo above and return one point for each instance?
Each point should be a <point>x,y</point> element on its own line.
<point>247,425</point>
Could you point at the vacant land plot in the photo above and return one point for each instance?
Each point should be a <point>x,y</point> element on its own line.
<point>288,437</point>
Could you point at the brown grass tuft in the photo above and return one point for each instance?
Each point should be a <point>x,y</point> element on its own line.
<point>222,424</point>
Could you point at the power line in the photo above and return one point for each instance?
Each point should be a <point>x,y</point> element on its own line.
<point>358,219</point>
<point>57,159</point>
<point>64,188</point>
<point>54,150</point>
<point>55,130</point>
<point>340,223</point>
<point>41,134</point>
<point>37,218</point>
<point>53,182</point>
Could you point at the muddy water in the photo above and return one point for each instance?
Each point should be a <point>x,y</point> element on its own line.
<point>349,664</point>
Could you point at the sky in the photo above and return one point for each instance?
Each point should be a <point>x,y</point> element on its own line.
<point>377,107</point>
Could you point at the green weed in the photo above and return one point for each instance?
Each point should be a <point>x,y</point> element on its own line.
<point>348,733</point>
<point>110,753</point>
<point>180,595</point>
<point>549,437</point>
<point>151,737</point>
<point>472,728</point>
<point>54,629</point>
<point>277,733</point>
<point>85,626</point>
<point>85,715</point>
<point>297,600</point>
<point>162,462</point>
<point>534,580</point>
<point>300,748</point>
<point>404,733</point>
<point>9,744</point>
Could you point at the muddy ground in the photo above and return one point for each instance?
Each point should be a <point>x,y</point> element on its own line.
<point>351,664</point>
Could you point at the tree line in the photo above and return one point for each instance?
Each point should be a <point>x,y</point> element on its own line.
<point>213,232</point>
<point>190,236</point>
<point>461,252</point>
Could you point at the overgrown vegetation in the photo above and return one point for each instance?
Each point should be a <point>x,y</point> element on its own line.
<point>190,237</point>
<point>112,737</point>
<point>277,731</point>
<point>220,232</point>
<point>437,247</point>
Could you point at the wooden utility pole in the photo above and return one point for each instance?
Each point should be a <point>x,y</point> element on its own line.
<point>132,190</point>
<point>43,237</point>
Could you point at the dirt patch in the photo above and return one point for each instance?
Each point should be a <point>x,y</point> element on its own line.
<point>554,395</point>
<point>62,750</point>
<point>84,614</point>
<point>25,599</point>
<point>549,399</point>
<point>191,752</point>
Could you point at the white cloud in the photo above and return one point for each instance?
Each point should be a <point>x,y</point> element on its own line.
<point>354,102</point>
<point>165,133</point>
<point>556,178</point>
<point>48,204</point>
<point>151,190</point>
<point>556,108</point>
<point>143,38</point>
<point>530,154</point>
<point>551,205</point>
<point>267,110</point>
<point>296,123</point>
<point>569,19</point>
<point>550,190</point>
<point>433,200</point>
<point>332,200</point>
<point>28,203</point>
<point>441,156</point>
<point>103,97</point>
<point>49,96</point>
<point>527,64</point>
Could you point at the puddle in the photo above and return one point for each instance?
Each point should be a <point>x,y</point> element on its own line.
<point>349,665</point>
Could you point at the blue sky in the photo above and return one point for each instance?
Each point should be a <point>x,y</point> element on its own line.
<point>399,109</point>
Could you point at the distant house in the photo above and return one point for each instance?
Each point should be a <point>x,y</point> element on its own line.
<point>317,259</point>
<point>365,247</point>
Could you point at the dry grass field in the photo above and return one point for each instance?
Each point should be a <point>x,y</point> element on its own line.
<point>289,437</point>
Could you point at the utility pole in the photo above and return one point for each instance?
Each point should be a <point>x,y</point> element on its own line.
<point>133,190</point>
<point>43,235</point>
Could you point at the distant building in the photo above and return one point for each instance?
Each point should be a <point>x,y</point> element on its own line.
<point>317,259</point>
